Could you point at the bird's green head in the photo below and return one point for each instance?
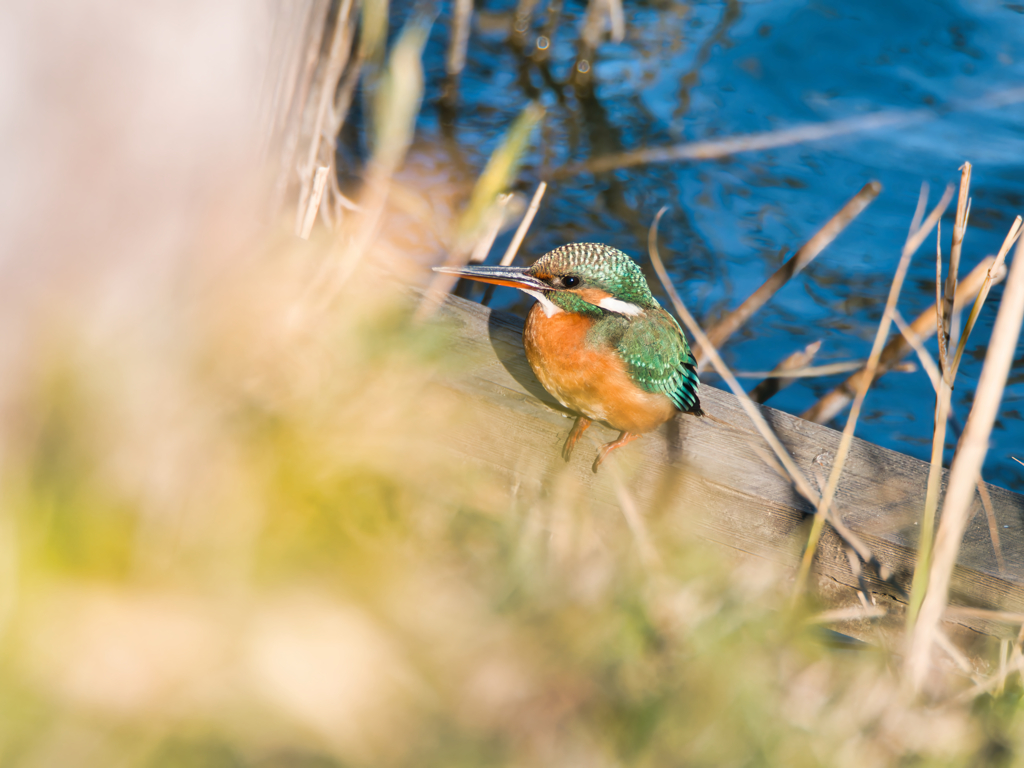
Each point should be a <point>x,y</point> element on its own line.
<point>595,275</point>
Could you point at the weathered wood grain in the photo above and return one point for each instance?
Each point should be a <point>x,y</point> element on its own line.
<point>715,477</point>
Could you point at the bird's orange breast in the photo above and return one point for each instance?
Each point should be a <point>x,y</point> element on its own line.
<point>591,380</point>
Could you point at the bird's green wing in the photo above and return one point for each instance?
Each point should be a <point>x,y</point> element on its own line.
<point>658,358</point>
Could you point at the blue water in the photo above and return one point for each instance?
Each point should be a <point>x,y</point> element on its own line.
<point>699,71</point>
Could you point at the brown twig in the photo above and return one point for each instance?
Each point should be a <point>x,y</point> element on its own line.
<point>775,383</point>
<point>726,327</point>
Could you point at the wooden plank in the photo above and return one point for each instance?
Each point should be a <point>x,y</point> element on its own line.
<point>716,477</point>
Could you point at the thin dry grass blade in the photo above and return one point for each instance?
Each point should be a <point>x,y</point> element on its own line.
<point>292,129</point>
<point>966,467</point>
<point>319,183</point>
<point>517,239</point>
<point>912,244</point>
<point>810,372</point>
<point>341,45</point>
<point>956,655</point>
<point>397,103</point>
<point>735,319</point>
<point>795,475</point>
<point>993,527</point>
<point>943,404</point>
<point>496,220</point>
<point>955,612</point>
<point>833,403</point>
<point>524,225</point>
<point>498,174</point>
<point>1015,231</point>
<point>932,369</point>
<point>927,361</point>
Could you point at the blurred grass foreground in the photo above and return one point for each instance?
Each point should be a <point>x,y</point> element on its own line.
<point>228,534</point>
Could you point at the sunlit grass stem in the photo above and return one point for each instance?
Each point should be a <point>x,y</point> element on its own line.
<point>942,406</point>
<point>914,242</point>
<point>966,466</point>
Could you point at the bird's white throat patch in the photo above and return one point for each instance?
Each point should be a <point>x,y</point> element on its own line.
<point>550,308</point>
<point>620,307</point>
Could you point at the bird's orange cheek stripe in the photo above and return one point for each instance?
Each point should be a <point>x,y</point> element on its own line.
<point>592,295</point>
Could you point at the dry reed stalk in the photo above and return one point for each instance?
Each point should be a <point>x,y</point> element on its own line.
<point>966,467</point>
<point>496,220</point>
<point>932,369</point>
<point>314,201</point>
<point>775,382</point>
<point>993,527</point>
<point>297,107</point>
<point>719,148</point>
<point>790,467</point>
<point>397,105</point>
<point>524,225</point>
<point>499,173</point>
<point>732,322</point>
<point>963,213</point>
<point>928,363</point>
<point>341,46</point>
<point>943,401</point>
<point>517,239</point>
<point>955,654</point>
<point>1015,232</point>
<point>992,683</point>
<point>810,372</point>
<point>833,403</point>
<point>461,21</point>
<point>283,68</point>
<point>914,242</point>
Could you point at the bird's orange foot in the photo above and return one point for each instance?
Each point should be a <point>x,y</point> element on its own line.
<point>624,437</point>
<point>582,422</point>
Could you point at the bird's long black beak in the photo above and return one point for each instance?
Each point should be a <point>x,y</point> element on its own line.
<point>514,277</point>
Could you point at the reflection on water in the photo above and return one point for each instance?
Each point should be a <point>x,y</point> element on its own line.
<point>688,72</point>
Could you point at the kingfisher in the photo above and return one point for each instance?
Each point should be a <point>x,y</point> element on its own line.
<point>599,341</point>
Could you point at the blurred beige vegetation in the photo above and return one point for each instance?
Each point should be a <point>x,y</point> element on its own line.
<point>228,534</point>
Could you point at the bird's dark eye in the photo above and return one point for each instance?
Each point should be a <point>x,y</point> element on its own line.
<point>570,282</point>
